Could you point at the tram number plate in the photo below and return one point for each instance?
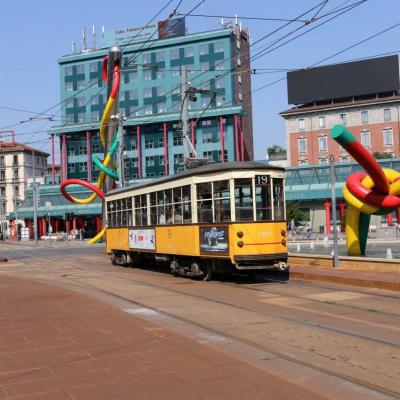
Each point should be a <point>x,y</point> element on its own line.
<point>262,180</point>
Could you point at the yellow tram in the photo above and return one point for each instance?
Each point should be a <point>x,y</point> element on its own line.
<point>216,218</point>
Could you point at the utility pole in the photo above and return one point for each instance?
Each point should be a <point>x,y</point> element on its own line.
<point>114,58</point>
<point>190,156</point>
<point>333,192</point>
<point>121,152</point>
<point>35,235</point>
<point>185,112</point>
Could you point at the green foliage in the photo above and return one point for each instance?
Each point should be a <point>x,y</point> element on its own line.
<point>276,150</point>
<point>293,212</point>
<point>381,156</point>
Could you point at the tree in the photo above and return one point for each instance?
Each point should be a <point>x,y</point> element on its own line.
<point>381,156</point>
<point>276,150</point>
<point>293,212</point>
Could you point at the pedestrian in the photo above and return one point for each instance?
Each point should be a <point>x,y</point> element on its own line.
<point>292,228</point>
<point>81,232</point>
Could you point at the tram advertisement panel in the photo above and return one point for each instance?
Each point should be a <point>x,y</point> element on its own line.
<point>214,240</point>
<point>143,239</point>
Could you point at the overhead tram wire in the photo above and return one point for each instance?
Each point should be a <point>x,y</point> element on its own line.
<point>343,10</point>
<point>258,41</point>
<point>91,84</point>
<point>132,40</point>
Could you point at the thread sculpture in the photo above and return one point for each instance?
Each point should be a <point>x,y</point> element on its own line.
<point>376,192</point>
<point>103,165</point>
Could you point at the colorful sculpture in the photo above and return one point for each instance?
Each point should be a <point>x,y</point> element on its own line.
<point>375,193</point>
<point>104,170</point>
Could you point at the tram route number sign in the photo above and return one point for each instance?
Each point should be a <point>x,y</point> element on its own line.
<point>214,239</point>
<point>142,239</point>
<point>262,180</point>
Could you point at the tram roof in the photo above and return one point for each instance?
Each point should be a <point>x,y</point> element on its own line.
<point>205,169</point>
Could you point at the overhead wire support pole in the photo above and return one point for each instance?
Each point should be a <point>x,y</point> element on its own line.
<point>333,193</point>
<point>35,235</point>
<point>185,113</point>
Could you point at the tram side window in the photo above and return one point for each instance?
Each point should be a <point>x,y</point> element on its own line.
<point>118,213</point>
<point>277,191</point>
<point>186,205</point>
<point>204,202</point>
<point>263,198</point>
<point>111,213</point>
<point>153,208</point>
<point>169,214</point>
<point>141,210</point>
<point>161,220</point>
<point>243,199</point>
<point>123,213</point>
<point>129,220</point>
<point>222,204</point>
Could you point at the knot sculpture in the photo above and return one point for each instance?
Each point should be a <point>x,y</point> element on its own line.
<point>103,165</point>
<point>376,192</point>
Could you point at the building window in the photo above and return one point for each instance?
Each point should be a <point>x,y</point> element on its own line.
<point>68,70</point>
<point>175,70</point>
<point>83,166</point>
<point>344,159</point>
<point>161,91</point>
<point>323,160</point>
<point>149,143</point>
<point>16,191</point>
<point>204,66</point>
<point>178,159</point>
<point>207,137</point>
<point>70,151</point>
<point>174,54</point>
<point>387,114</point>
<point>132,76</point>
<point>343,119</point>
<point>302,124</point>
<point>96,148</point>
<point>218,47</point>
<point>82,150</point>
<point>147,92</point>
<point>189,52</point>
<point>162,107</point>
<point>203,49</point>
<point>219,66</point>
<point>364,117</point>
<point>69,87</point>
<point>2,163</point>
<point>388,137</point>
<point>321,122</point>
<point>71,167</point>
<point>146,58</point>
<point>15,159</point>
<point>161,142</point>
<point>366,139</point>
<point>160,56</point>
<point>133,145</point>
<point>323,143</point>
<point>147,74</point>
<point>220,83</point>
<point>149,161</point>
<point>303,162</point>
<point>302,144</point>
<point>177,140</point>
<point>160,73</point>
<point>148,109</point>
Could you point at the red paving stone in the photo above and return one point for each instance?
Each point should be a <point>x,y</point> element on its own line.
<point>58,344</point>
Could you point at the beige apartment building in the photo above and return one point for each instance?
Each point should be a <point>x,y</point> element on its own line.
<point>16,170</point>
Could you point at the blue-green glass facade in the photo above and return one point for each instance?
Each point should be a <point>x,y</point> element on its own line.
<point>150,99</point>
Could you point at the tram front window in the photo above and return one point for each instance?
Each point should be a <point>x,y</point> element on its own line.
<point>263,198</point>
<point>277,191</point>
<point>243,200</point>
<point>204,202</point>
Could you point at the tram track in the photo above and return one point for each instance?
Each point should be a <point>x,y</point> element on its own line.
<point>282,355</point>
<point>79,277</point>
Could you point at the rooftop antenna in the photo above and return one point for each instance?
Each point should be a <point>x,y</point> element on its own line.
<point>236,19</point>
<point>84,40</point>
<point>73,45</point>
<point>222,21</point>
<point>94,37</point>
<point>103,29</point>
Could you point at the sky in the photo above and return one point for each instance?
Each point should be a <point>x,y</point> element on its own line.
<point>34,34</point>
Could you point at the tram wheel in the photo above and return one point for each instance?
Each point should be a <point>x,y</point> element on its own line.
<point>174,266</point>
<point>207,269</point>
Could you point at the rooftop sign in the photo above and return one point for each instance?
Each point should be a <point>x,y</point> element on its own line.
<point>160,30</point>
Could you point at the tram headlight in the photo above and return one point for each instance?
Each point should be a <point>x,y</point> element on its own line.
<point>239,234</point>
<point>283,233</point>
<point>283,242</point>
<point>240,244</point>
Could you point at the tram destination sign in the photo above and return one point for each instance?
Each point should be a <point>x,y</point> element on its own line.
<point>214,239</point>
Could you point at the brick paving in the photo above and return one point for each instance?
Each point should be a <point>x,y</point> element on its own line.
<point>57,344</point>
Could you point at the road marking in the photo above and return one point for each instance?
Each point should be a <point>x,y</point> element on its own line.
<point>141,311</point>
<point>337,296</point>
<point>209,337</point>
